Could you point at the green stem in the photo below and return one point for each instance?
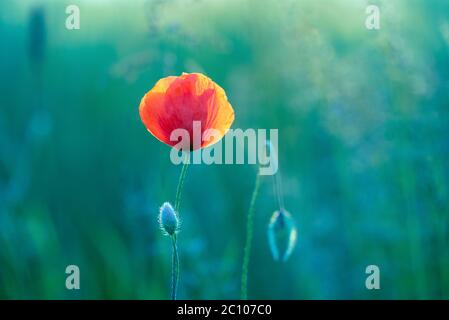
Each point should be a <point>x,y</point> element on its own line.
<point>249,238</point>
<point>175,268</point>
<point>182,177</point>
<point>175,259</point>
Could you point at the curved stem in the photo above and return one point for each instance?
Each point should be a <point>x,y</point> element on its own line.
<point>249,238</point>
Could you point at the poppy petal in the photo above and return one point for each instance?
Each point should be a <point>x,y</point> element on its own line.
<point>176,102</point>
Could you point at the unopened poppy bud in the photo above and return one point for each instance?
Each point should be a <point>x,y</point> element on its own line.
<point>168,219</point>
<point>282,235</point>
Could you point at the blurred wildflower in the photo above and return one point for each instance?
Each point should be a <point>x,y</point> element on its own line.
<point>282,235</point>
<point>37,34</point>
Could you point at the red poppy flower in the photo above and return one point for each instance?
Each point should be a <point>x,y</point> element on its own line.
<point>176,102</point>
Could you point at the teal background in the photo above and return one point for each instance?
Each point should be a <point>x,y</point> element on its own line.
<point>363,119</point>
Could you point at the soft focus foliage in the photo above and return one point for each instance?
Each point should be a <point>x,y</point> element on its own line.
<point>363,120</point>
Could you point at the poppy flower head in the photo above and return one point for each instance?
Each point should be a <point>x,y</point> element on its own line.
<point>177,102</point>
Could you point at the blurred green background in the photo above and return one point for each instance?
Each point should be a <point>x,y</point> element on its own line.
<point>363,119</point>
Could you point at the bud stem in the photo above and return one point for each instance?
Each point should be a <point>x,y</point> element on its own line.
<point>175,268</point>
<point>249,238</point>
<point>277,180</point>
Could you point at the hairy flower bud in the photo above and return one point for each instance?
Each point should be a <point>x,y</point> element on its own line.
<point>168,219</point>
<point>282,235</point>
